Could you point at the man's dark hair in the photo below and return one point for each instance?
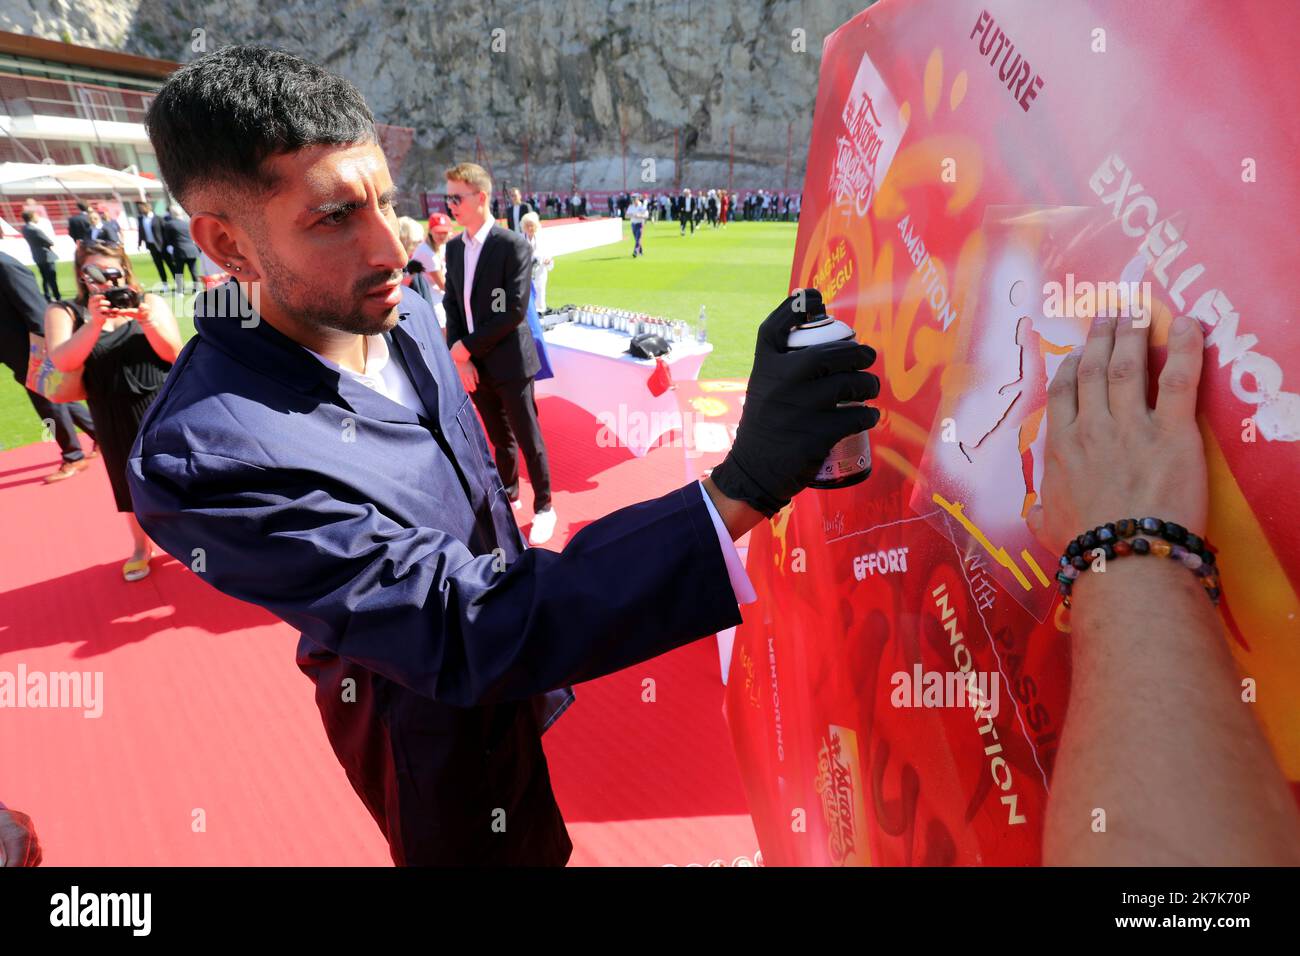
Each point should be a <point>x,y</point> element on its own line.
<point>29,216</point>
<point>218,118</point>
<point>82,206</point>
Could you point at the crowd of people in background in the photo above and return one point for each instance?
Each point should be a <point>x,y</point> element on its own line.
<point>123,354</point>
<point>166,236</point>
<point>691,209</point>
<point>717,206</point>
<point>118,352</point>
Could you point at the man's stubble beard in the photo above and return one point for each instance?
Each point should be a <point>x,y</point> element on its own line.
<point>316,305</point>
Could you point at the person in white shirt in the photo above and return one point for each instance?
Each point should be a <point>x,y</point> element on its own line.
<point>489,287</point>
<point>686,211</point>
<point>542,265</point>
<point>637,214</point>
<point>432,255</point>
<point>516,211</point>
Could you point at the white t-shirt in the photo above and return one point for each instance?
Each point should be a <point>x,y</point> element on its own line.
<point>382,375</point>
<point>432,262</point>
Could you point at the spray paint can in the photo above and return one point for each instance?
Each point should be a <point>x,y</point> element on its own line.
<point>850,459</point>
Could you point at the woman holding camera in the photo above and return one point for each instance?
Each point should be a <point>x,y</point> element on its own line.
<point>124,341</point>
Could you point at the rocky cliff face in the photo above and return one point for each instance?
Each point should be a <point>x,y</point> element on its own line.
<point>560,85</point>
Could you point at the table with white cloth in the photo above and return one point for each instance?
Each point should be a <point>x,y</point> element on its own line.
<point>594,371</point>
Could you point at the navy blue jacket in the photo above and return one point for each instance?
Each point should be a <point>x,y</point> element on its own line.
<point>432,632</point>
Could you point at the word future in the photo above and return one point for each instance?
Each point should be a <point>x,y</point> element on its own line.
<point>1017,73</point>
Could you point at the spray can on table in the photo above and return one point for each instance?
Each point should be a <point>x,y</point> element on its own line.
<point>850,459</point>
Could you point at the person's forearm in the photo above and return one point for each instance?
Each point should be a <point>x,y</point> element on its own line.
<point>166,347</point>
<point>72,354</point>
<point>1156,710</point>
<point>736,515</point>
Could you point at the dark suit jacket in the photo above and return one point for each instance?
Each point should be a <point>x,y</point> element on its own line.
<point>501,344</point>
<point>515,213</point>
<point>41,245</point>
<point>154,236</point>
<point>79,226</point>
<point>396,553</point>
<point>176,233</point>
<point>22,311</point>
<point>107,232</point>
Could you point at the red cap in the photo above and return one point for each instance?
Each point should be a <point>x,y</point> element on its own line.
<point>439,221</point>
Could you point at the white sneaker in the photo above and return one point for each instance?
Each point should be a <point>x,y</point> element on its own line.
<point>543,527</point>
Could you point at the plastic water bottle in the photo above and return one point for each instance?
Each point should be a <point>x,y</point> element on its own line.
<point>702,330</point>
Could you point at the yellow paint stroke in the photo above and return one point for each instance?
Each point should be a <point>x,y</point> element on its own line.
<point>1033,566</point>
<point>998,554</point>
<point>780,525</point>
<point>902,427</point>
<point>958,92</point>
<point>1264,604</point>
<point>897,461</point>
<point>932,81</point>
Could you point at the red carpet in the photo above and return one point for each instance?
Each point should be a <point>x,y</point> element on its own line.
<point>209,749</point>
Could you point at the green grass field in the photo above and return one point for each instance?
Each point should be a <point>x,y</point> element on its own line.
<point>739,274</point>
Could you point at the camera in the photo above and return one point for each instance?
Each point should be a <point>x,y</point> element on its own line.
<point>122,297</point>
<point>118,296</point>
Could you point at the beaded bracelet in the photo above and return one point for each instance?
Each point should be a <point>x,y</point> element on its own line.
<point>1146,536</point>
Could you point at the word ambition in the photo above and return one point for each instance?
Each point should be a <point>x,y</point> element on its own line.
<point>1016,74</point>
<point>935,288</point>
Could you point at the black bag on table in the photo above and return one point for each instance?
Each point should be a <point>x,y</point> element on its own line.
<point>649,345</point>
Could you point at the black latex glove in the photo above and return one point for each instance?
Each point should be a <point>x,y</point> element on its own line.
<point>790,421</point>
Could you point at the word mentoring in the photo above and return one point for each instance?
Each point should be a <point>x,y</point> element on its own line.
<point>76,690</point>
